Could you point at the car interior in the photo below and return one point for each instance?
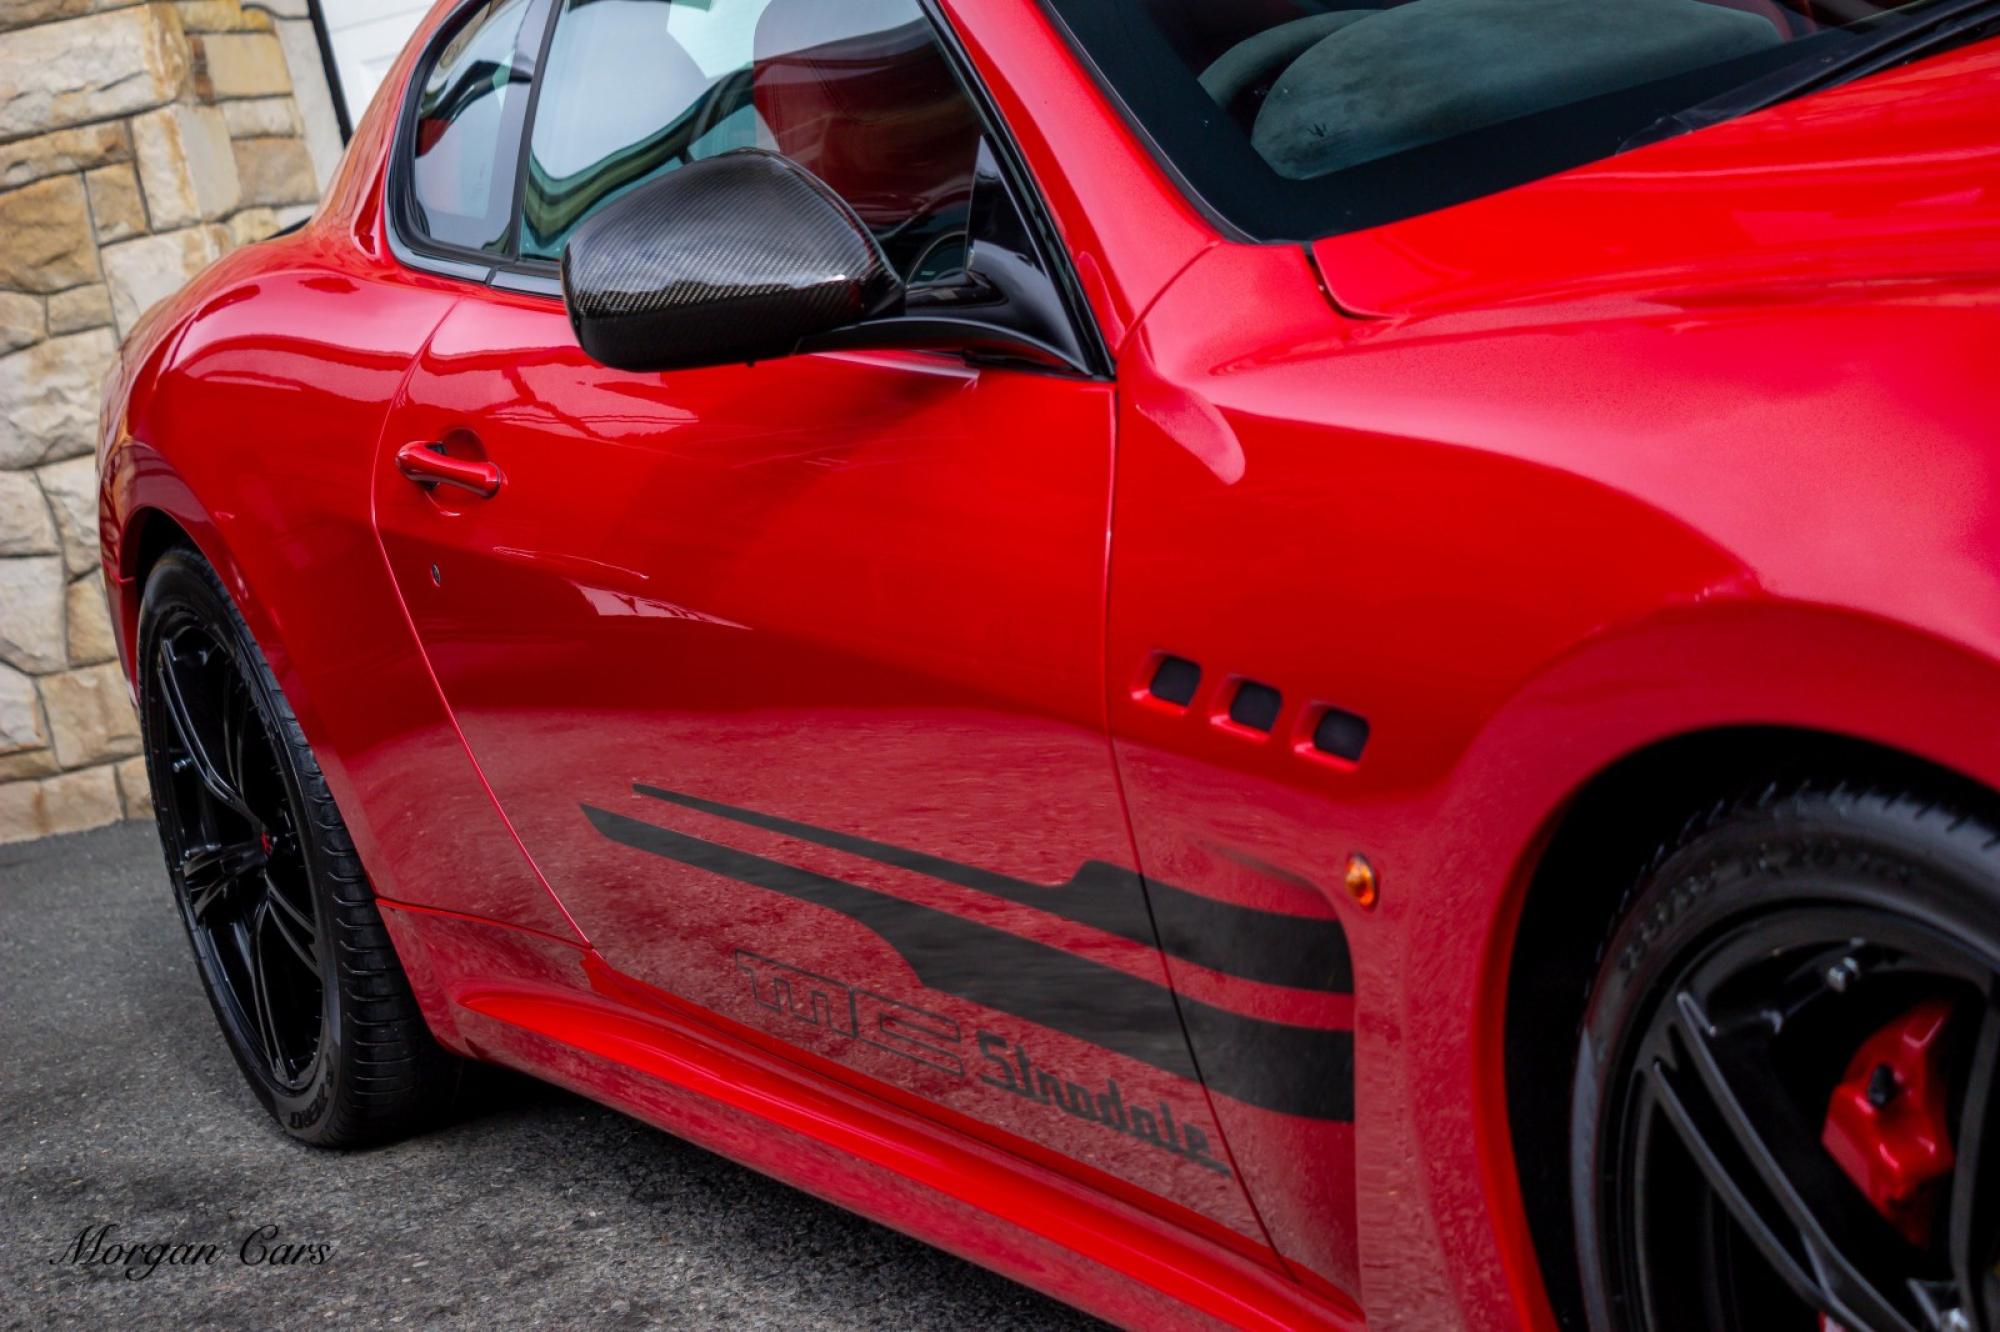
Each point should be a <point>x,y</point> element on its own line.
<point>1320,88</point>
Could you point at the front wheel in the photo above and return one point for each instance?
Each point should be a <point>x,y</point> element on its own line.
<point>1784,1114</point>
<point>286,934</point>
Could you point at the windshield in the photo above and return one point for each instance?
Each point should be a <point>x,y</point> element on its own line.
<point>1295,119</point>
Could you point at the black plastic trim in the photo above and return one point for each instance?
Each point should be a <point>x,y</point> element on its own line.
<point>1255,705</point>
<point>525,149</point>
<point>533,280</point>
<point>978,339</point>
<point>1341,733</point>
<point>1035,212</point>
<point>1175,680</point>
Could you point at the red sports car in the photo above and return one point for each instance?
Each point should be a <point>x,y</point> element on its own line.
<point>1260,663</point>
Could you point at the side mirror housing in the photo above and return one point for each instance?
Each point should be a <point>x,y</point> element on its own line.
<point>733,258</point>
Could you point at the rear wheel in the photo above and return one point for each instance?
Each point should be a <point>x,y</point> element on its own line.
<point>1784,1113</point>
<point>286,935</point>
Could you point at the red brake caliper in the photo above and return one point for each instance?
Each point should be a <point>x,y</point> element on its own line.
<point>1885,1125</point>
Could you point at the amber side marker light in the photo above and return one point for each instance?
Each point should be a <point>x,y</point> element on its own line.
<point>1362,885</point>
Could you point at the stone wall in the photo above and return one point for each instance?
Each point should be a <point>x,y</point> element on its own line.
<point>138,142</point>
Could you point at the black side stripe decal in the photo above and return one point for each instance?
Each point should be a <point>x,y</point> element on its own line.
<point>1302,952</point>
<point>1304,1071</point>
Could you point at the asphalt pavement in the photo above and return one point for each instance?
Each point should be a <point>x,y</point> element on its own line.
<point>120,1107</point>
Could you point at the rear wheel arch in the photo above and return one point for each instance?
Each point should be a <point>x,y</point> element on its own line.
<point>1615,826</point>
<point>147,534</point>
<point>175,521</point>
<point>151,534</point>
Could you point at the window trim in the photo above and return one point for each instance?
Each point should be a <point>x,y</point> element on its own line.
<point>527,146</point>
<point>1161,158</point>
<point>1035,214</point>
<point>538,277</point>
<point>407,238</point>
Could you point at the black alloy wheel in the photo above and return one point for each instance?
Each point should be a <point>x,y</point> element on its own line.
<point>1784,1114</point>
<point>286,935</point>
<point>240,872</point>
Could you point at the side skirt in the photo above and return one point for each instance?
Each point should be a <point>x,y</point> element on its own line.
<point>529,1001</point>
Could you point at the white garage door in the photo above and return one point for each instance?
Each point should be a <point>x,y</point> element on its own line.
<point>366,36</point>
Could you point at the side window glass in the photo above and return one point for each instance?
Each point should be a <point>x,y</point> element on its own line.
<point>858,92</point>
<point>467,133</point>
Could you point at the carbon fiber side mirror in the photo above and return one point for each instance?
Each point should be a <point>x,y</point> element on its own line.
<point>732,258</point>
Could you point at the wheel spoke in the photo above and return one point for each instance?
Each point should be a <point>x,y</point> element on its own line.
<point>170,669</point>
<point>240,868</point>
<point>1751,1218</point>
<point>292,925</point>
<point>250,948</point>
<point>211,869</point>
<point>1976,1176</point>
<point>1804,1216</point>
<point>233,728</point>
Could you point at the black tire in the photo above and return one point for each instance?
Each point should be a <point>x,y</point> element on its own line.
<point>290,946</point>
<point>1750,963</point>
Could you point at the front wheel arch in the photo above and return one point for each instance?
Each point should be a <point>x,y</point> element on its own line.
<point>1610,833</point>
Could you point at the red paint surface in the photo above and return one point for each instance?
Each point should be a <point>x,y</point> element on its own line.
<point>1698,437</point>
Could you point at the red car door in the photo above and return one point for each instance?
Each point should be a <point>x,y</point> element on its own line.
<point>789,675</point>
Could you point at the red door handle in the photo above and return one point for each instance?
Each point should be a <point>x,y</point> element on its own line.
<point>427,467</point>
